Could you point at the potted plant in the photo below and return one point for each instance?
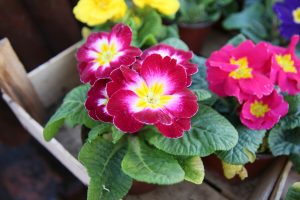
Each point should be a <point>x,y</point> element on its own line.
<point>196,17</point>
<point>144,119</point>
<point>259,89</point>
<point>144,18</point>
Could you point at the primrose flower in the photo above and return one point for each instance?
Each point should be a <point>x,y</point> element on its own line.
<point>96,12</point>
<point>263,113</point>
<point>166,7</point>
<point>182,58</point>
<point>240,71</point>
<point>97,99</point>
<point>156,96</point>
<point>288,12</point>
<point>103,52</point>
<point>285,69</point>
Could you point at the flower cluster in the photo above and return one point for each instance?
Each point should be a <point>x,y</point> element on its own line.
<point>131,88</point>
<point>250,73</point>
<point>96,12</point>
<point>288,12</point>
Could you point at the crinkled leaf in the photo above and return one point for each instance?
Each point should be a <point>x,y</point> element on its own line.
<point>99,130</point>
<point>230,171</point>
<point>116,134</point>
<point>193,168</point>
<point>210,132</point>
<point>72,110</point>
<point>199,79</point>
<point>202,94</point>
<point>293,192</point>
<point>176,42</point>
<point>284,141</point>
<point>148,164</point>
<point>292,120</point>
<point>245,150</point>
<point>295,158</point>
<point>103,162</point>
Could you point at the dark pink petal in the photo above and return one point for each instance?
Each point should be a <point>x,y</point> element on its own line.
<point>119,106</point>
<point>122,35</point>
<point>150,116</point>
<point>176,129</point>
<point>164,70</point>
<point>87,72</point>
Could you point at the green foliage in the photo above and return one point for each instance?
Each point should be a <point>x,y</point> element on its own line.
<point>193,168</point>
<point>292,120</point>
<point>176,42</point>
<point>293,192</point>
<point>254,21</point>
<point>210,132</point>
<point>235,41</point>
<point>199,79</point>
<point>103,162</point>
<point>116,134</point>
<point>245,150</point>
<point>147,164</point>
<point>295,158</point>
<point>99,130</point>
<point>72,110</point>
<point>202,94</point>
<point>195,11</point>
<point>284,141</point>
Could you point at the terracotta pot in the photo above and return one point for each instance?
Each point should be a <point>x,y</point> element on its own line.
<point>195,34</point>
<point>254,169</point>
<point>137,187</point>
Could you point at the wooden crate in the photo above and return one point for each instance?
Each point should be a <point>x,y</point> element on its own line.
<point>34,96</point>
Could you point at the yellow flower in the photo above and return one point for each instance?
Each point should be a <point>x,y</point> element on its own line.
<point>95,12</point>
<point>167,7</point>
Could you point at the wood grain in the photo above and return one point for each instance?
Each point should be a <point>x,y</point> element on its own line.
<point>14,81</point>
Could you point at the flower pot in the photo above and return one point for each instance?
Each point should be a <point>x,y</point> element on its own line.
<point>195,34</point>
<point>254,169</point>
<point>137,186</point>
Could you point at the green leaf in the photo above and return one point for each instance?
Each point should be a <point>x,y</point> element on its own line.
<point>202,94</point>
<point>284,141</point>
<point>103,162</point>
<point>293,192</point>
<point>72,110</point>
<point>292,120</point>
<point>245,150</point>
<point>177,43</point>
<point>235,41</point>
<point>150,165</point>
<point>295,158</point>
<point>199,79</point>
<point>193,169</point>
<point>116,134</point>
<point>210,132</point>
<point>99,130</point>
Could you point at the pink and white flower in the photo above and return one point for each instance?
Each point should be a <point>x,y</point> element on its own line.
<point>157,95</point>
<point>103,52</point>
<point>182,58</point>
<point>240,71</point>
<point>285,70</point>
<point>263,113</point>
<point>97,99</point>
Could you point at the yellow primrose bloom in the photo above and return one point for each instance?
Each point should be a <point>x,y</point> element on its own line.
<point>167,7</point>
<point>95,12</point>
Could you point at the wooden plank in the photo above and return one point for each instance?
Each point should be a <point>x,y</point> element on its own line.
<point>53,79</point>
<point>181,191</point>
<point>14,81</point>
<point>54,147</point>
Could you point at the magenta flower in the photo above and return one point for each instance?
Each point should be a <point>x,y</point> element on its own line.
<point>182,58</point>
<point>97,99</point>
<point>103,52</point>
<point>285,70</point>
<point>156,96</point>
<point>240,71</point>
<point>263,113</point>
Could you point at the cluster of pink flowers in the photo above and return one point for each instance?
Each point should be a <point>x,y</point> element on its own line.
<point>251,72</point>
<point>131,88</point>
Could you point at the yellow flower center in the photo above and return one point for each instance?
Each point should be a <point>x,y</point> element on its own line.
<point>296,15</point>
<point>106,54</point>
<point>286,63</point>
<point>259,109</point>
<point>243,71</point>
<point>152,97</point>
